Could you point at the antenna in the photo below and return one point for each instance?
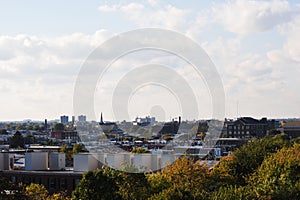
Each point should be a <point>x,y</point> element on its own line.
<point>237,109</point>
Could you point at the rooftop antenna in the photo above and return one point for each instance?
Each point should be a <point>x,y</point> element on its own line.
<point>237,109</point>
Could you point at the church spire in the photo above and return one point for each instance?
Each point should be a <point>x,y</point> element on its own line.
<point>101,119</point>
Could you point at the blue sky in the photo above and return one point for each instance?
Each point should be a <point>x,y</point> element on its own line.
<point>253,44</point>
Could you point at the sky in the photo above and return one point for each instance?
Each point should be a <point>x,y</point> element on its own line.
<point>253,45</point>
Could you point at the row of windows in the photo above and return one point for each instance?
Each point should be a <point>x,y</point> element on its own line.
<point>239,132</point>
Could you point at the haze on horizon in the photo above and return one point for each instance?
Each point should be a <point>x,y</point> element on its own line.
<point>253,44</point>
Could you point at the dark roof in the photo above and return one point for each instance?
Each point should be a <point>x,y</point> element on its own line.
<point>248,120</point>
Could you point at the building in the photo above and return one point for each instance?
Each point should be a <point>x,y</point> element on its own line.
<point>64,119</point>
<point>54,181</point>
<point>71,136</point>
<point>73,120</point>
<point>140,121</point>
<point>247,127</point>
<point>109,128</point>
<point>291,128</point>
<point>82,118</point>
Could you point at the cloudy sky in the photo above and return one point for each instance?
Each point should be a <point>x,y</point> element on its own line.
<point>253,44</point>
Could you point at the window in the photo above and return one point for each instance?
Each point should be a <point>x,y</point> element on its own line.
<point>52,183</point>
<point>63,184</point>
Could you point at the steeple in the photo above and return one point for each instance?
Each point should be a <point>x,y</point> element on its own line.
<point>101,119</point>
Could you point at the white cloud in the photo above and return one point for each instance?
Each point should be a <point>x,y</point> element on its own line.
<point>239,16</point>
<point>38,73</point>
<point>165,16</point>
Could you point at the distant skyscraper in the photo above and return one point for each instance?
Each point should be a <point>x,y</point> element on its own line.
<point>64,119</point>
<point>73,120</point>
<point>82,118</point>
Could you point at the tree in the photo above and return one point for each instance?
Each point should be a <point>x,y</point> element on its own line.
<point>36,127</point>
<point>36,192</point>
<point>39,192</point>
<point>77,148</point>
<point>59,127</point>
<point>184,179</point>
<point>96,185</point>
<point>245,160</point>
<point>133,185</point>
<point>278,177</point>
<point>17,141</point>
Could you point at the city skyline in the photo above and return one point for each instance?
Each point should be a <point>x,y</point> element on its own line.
<point>253,44</point>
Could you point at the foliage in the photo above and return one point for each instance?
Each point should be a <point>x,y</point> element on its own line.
<point>17,141</point>
<point>184,179</point>
<point>140,150</point>
<point>233,193</point>
<point>96,185</point>
<point>77,148</point>
<point>36,192</point>
<point>249,157</point>
<point>132,186</point>
<point>59,127</point>
<point>39,192</point>
<point>278,177</point>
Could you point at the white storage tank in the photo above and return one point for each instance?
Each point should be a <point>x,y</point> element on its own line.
<point>85,162</point>
<point>36,161</point>
<point>57,161</point>
<point>118,160</point>
<point>6,161</point>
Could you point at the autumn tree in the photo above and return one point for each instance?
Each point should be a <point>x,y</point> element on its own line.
<point>183,179</point>
<point>278,177</point>
<point>245,160</point>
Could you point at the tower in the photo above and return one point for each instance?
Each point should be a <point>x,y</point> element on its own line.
<point>101,119</point>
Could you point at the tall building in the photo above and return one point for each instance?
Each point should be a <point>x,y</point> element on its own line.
<point>82,118</point>
<point>64,119</point>
<point>73,120</point>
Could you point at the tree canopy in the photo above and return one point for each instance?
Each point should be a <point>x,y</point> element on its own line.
<point>17,141</point>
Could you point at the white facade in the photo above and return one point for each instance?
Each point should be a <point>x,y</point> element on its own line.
<point>36,161</point>
<point>57,161</point>
<point>85,162</point>
<point>6,161</point>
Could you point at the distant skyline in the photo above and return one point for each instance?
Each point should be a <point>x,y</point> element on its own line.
<point>253,44</point>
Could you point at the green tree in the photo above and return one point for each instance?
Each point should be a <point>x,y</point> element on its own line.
<point>233,193</point>
<point>17,141</point>
<point>96,185</point>
<point>36,127</point>
<point>59,127</point>
<point>245,160</point>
